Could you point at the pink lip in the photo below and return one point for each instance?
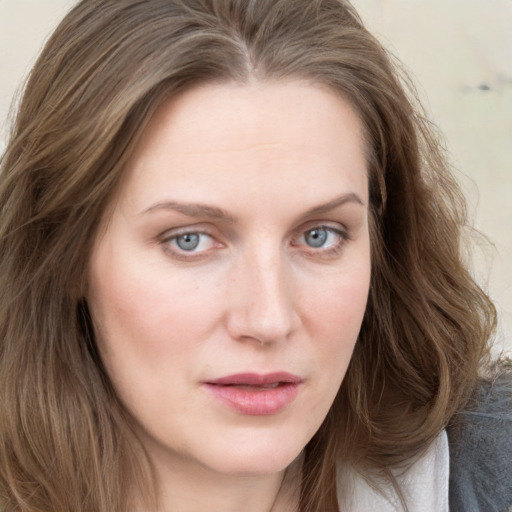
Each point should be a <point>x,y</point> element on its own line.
<point>256,394</point>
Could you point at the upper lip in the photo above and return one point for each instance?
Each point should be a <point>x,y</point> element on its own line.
<point>256,379</point>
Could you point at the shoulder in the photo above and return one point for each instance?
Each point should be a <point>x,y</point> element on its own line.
<point>480,439</point>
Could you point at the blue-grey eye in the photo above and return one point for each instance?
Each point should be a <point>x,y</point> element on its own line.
<point>316,237</point>
<point>188,241</point>
<point>192,243</point>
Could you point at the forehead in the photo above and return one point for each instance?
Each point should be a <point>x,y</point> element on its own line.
<point>215,135</point>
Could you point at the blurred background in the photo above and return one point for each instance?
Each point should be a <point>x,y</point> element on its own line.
<point>459,53</point>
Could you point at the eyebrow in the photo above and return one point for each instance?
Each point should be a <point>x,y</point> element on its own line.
<point>204,210</point>
<point>351,197</point>
<point>191,210</point>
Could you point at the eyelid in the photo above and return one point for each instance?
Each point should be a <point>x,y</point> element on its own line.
<point>338,229</point>
<point>334,227</point>
<point>172,234</point>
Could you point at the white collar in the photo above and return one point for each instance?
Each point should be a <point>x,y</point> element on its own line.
<point>424,485</point>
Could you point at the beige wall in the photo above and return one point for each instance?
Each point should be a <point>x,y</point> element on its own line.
<point>460,52</point>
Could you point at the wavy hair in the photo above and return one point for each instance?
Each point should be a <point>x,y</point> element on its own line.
<point>65,441</point>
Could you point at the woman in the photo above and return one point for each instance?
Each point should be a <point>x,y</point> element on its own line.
<point>231,272</point>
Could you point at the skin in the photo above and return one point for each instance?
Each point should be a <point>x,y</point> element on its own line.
<point>271,161</point>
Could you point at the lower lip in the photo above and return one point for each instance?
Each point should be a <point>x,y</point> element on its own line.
<point>255,400</point>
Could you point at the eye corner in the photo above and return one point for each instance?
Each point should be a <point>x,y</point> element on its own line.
<point>189,244</point>
<point>327,240</point>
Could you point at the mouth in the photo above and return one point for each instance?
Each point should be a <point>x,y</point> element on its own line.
<point>256,394</point>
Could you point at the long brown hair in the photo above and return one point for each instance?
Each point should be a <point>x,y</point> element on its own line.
<point>65,441</point>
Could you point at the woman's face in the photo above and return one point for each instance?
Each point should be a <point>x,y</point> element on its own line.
<point>228,288</point>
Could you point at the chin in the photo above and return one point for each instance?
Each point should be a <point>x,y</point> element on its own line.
<point>253,456</point>
<point>253,467</point>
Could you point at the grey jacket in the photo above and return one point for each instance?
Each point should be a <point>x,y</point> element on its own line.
<point>481,449</point>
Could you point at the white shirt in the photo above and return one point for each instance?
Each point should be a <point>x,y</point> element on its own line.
<point>424,485</point>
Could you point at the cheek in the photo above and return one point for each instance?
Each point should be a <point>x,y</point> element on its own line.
<point>147,318</point>
<point>337,305</point>
<point>146,336</point>
<point>125,307</point>
<point>333,319</point>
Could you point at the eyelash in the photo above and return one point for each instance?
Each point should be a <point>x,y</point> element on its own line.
<point>342,235</point>
<point>334,249</point>
<point>177,252</point>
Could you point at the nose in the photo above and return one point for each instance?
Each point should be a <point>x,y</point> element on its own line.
<point>261,299</point>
